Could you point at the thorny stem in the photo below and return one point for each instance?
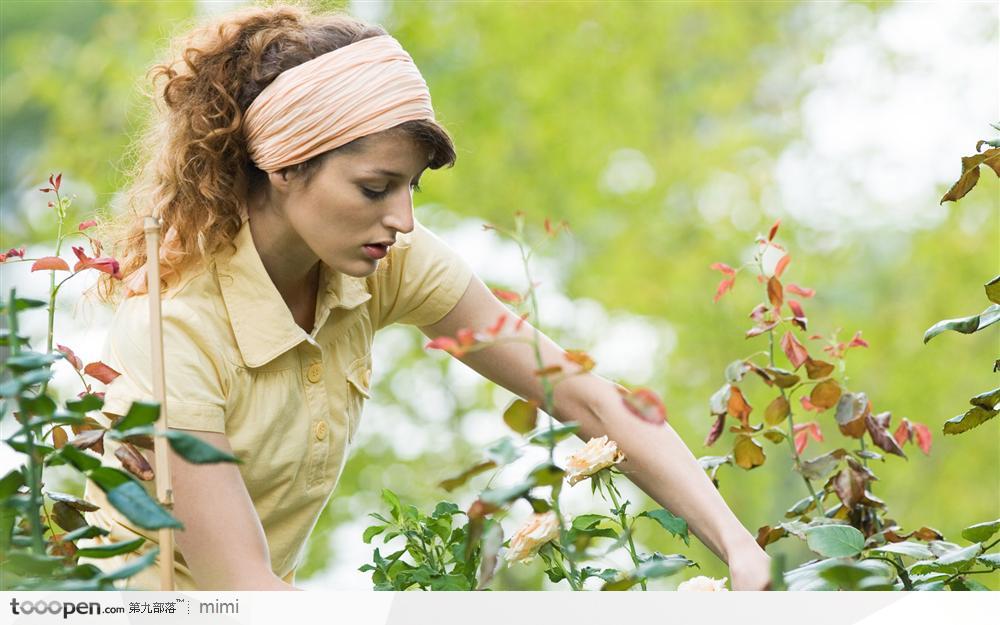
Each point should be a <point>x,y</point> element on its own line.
<point>623,521</point>
<point>549,409</point>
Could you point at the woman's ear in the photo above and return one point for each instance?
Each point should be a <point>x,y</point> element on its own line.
<point>279,180</point>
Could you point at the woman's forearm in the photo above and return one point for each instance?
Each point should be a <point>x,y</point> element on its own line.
<point>657,461</point>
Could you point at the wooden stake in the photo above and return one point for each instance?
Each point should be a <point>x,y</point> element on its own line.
<point>164,492</point>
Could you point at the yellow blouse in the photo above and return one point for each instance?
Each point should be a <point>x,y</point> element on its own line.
<point>289,401</point>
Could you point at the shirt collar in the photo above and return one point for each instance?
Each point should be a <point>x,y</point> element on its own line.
<point>262,323</point>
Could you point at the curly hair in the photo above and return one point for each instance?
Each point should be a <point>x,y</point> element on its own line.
<point>192,167</point>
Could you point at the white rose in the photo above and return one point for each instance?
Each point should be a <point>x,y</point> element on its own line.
<point>597,454</point>
<point>704,584</point>
<point>524,544</point>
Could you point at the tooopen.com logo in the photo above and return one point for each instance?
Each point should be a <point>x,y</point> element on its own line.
<point>65,608</point>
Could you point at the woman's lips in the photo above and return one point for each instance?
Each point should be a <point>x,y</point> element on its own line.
<point>376,251</point>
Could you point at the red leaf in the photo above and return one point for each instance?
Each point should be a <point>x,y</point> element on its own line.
<point>774,230</point>
<point>53,263</point>
<point>101,372</point>
<point>761,329</point>
<point>811,428</point>
<point>800,316</point>
<point>58,182</point>
<point>815,336</point>
<point>857,341</point>
<point>724,268</point>
<point>724,286</point>
<point>520,322</point>
<point>903,433</point>
<point>716,431</point>
<point>782,264</point>
<point>104,264</point>
<point>800,290</point>
<point>923,437</point>
<point>801,440</point>
<point>507,296</point>
<point>808,405</point>
<point>12,252</point>
<point>442,342</point>
<point>70,356</point>
<point>645,404</point>
<point>758,312</point>
<point>466,337</point>
<point>738,406</point>
<point>796,351</point>
<point>494,329</point>
<point>90,223</point>
<point>775,293</point>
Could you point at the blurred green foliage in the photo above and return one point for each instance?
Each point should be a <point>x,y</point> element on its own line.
<point>541,98</point>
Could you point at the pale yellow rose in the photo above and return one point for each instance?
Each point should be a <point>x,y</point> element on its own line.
<point>524,544</point>
<point>597,454</point>
<point>704,584</point>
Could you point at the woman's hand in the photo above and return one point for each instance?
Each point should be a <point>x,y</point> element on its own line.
<point>750,568</point>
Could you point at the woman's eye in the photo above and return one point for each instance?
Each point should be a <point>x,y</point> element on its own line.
<point>373,194</point>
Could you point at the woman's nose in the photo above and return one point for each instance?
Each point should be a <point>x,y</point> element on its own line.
<point>400,215</point>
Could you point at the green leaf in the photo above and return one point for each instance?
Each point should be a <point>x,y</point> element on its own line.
<point>67,517</point>
<point>547,475</point>
<point>833,541</point>
<point>197,451</point>
<point>961,557</point>
<point>800,507</point>
<point>452,483</point>
<point>133,567</point>
<point>392,500</point>
<point>29,361</point>
<point>913,550</point>
<point>131,499</point>
<point>587,521</point>
<point>542,436</point>
<point>863,575</point>
<point>809,576</point>
<point>981,532</point>
<point>521,416</point>
<point>90,531</point>
<point>10,483</point>
<point>670,522</point>
<point>43,405</point>
<point>85,404</point>
<point>991,560</point>
<point>22,303</point>
<point>975,417</point>
<point>987,400</point>
<point>502,452</point>
<point>78,458</point>
<point>31,563</point>
<point>110,550</point>
<point>993,290</point>
<point>139,413</point>
<point>503,496</point>
<point>965,325</point>
<point>372,532</point>
<point>446,508</point>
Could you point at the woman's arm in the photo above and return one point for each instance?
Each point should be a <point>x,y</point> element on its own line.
<point>223,541</point>
<point>658,461</point>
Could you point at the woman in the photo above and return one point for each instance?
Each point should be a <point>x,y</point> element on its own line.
<point>282,163</point>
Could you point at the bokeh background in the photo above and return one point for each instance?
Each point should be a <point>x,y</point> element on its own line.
<point>668,134</point>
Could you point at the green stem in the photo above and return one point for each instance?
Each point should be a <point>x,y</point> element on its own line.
<point>957,575</point>
<point>900,569</point>
<point>991,545</point>
<point>613,492</point>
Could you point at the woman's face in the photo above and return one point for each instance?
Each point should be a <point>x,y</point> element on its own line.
<point>357,201</point>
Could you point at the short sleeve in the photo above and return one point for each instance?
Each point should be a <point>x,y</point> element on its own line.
<point>422,281</point>
<point>195,381</point>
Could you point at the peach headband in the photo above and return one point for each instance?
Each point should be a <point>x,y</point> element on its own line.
<point>333,99</point>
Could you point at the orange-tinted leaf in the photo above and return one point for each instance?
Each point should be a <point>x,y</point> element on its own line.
<point>803,431</point>
<point>550,370</point>
<point>466,337</point>
<point>825,394</point>
<point>738,406</point>
<point>800,290</point>
<point>903,433</point>
<point>520,322</point>
<point>90,223</point>
<point>716,431</point>
<point>774,230</point>
<point>724,268</point>
<point>724,286</point>
<point>50,263</point>
<point>507,296</point>
<point>494,329</point>
<point>71,357</point>
<point>782,265</point>
<point>799,318</point>
<point>775,293</point>
<point>134,462</point>
<point>818,369</point>
<point>776,411</point>
<point>59,437</point>
<point>101,372</point>
<point>581,358</point>
<point>970,173</point>
<point>796,351</point>
<point>757,330</point>
<point>646,405</point>
<point>853,410</point>
<point>747,452</point>
<point>807,405</point>
<point>923,435</point>
<point>801,439</point>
